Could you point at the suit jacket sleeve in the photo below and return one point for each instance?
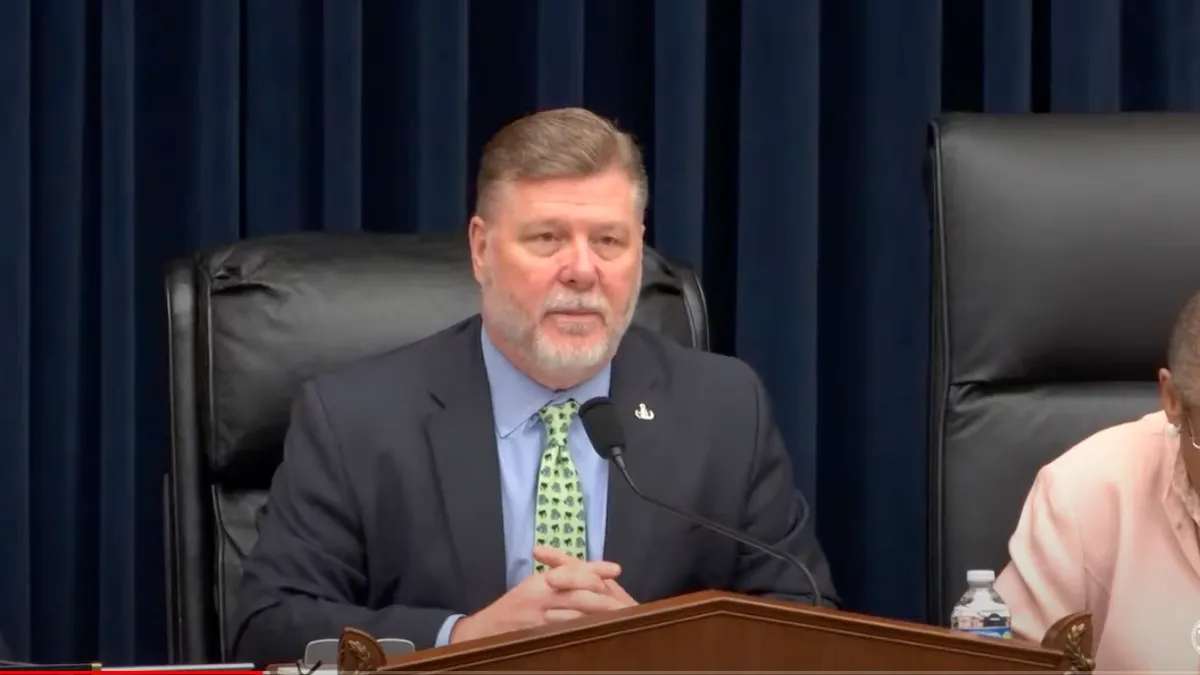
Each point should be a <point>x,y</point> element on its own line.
<point>306,577</point>
<point>1046,578</point>
<point>775,513</point>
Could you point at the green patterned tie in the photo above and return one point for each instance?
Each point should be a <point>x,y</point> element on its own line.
<point>559,519</point>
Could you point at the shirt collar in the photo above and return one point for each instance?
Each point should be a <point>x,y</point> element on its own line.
<point>516,397</point>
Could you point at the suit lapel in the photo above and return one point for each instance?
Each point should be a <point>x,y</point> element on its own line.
<point>463,442</point>
<point>637,381</point>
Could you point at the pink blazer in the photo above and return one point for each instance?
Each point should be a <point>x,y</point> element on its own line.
<point>1103,531</point>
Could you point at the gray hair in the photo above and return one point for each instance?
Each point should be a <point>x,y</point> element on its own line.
<point>559,143</point>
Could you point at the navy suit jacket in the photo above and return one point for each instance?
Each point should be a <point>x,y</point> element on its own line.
<point>385,514</point>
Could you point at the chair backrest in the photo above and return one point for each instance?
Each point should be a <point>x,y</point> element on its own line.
<point>248,323</point>
<point>1063,248</point>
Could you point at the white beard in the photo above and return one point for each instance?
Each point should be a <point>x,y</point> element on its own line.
<point>558,359</point>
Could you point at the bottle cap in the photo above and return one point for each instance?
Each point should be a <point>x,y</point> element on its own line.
<point>980,576</point>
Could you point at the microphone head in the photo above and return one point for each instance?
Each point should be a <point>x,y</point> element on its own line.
<point>599,418</point>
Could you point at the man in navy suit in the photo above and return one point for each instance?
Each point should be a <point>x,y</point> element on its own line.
<point>446,491</point>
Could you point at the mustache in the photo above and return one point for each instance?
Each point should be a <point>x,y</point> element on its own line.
<point>575,302</point>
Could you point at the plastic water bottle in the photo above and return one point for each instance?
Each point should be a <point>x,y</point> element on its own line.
<point>981,610</point>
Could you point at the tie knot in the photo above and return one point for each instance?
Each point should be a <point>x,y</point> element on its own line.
<point>557,416</point>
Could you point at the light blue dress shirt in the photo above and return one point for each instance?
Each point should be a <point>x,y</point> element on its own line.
<point>520,440</point>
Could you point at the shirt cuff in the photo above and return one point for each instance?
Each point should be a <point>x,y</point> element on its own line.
<point>443,636</point>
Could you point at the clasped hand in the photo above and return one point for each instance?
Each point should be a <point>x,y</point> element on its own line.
<point>568,589</point>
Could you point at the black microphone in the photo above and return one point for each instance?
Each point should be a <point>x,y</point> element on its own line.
<point>599,418</point>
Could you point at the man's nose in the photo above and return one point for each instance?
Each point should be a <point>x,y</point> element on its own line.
<point>580,267</point>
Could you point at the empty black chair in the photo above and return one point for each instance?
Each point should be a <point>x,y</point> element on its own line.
<point>1063,248</point>
<point>248,323</point>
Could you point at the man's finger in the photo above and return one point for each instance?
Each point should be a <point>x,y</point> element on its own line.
<point>587,602</point>
<point>552,557</point>
<point>574,578</point>
<point>615,590</point>
<point>601,568</point>
<point>588,576</point>
<point>560,615</point>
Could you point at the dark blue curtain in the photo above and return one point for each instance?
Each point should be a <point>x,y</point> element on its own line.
<point>784,139</point>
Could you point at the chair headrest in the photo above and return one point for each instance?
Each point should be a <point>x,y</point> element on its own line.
<point>1071,241</point>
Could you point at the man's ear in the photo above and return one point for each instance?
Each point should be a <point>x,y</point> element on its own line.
<point>477,236</point>
<point>1168,395</point>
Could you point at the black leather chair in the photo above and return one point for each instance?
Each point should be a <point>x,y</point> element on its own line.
<point>248,323</point>
<point>1063,248</point>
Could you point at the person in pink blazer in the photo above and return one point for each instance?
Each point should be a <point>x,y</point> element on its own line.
<point>1110,528</point>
